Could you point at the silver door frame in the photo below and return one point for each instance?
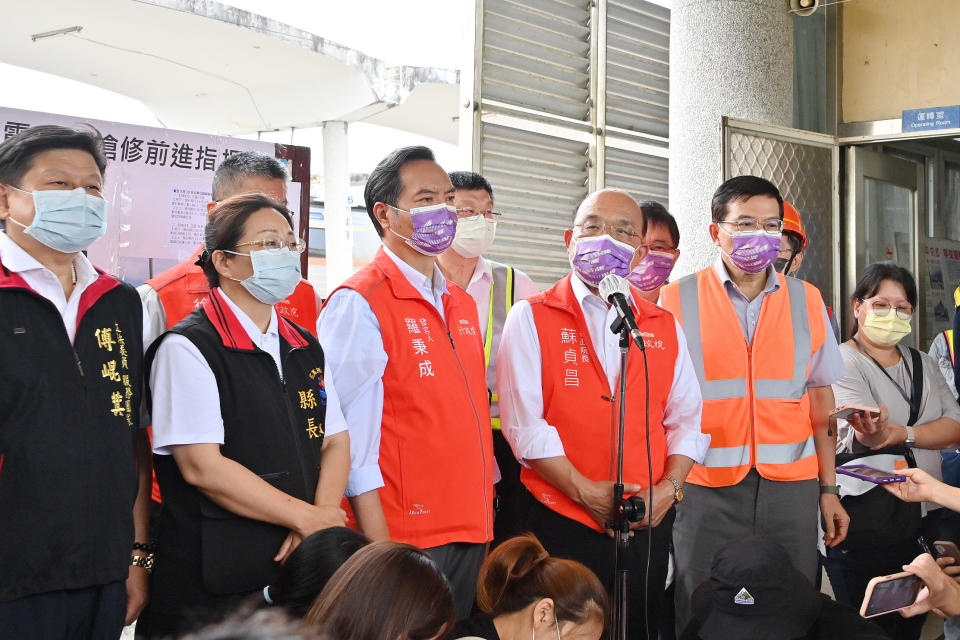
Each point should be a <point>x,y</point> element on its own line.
<point>864,163</point>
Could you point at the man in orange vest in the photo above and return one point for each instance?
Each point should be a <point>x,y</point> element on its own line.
<point>558,370</point>
<point>494,287</point>
<point>793,242</point>
<point>406,343</point>
<point>765,359</point>
<point>170,296</point>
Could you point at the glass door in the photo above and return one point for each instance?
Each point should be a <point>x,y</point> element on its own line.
<point>883,198</point>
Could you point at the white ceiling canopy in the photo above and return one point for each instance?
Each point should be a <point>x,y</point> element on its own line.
<point>204,66</point>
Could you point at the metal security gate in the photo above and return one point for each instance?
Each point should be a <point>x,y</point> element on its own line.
<point>805,167</point>
<point>566,97</point>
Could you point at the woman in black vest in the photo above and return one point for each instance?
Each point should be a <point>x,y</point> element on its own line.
<point>250,445</point>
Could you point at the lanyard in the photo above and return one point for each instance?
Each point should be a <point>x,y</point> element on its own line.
<point>913,400</point>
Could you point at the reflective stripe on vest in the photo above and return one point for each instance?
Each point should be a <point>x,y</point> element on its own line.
<point>737,387</point>
<point>948,334</point>
<point>501,301</point>
<point>766,424</point>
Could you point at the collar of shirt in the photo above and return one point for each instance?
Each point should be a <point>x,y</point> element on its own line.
<point>772,282</point>
<point>259,337</point>
<point>481,272</point>
<point>431,289</point>
<point>16,259</point>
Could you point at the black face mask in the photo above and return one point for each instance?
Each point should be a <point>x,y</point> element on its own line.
<point>783,265</point>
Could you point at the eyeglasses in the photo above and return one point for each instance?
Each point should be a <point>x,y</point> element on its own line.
<point>468,212</point>
<point>904,311</point>
<point>297,246</point>
<point>749,224</point>
<point>623,233</point>
<point>660,247</point>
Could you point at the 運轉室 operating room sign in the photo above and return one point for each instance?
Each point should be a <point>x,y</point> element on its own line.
<point>932,118</point>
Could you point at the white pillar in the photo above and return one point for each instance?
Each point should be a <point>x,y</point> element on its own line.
<point>729,58</point>
<point>336,188</point>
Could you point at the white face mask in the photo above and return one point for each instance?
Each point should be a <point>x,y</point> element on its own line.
<point>474,236</point>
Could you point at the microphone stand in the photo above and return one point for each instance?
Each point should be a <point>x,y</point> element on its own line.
<point>621,522</point>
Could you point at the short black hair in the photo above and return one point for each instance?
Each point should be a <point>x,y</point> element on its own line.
<point>383,184</point>
<point>225,227</point>
<point>470,180</point>
<point>656,213</point>
<point>742,188</point>
<point>309,567</point>
<point>874,275</point>
<point>17,152</point>
<point>239,166</point>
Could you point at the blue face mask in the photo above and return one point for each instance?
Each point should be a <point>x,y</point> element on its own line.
<point>67,221</point>
<point>276,274</point>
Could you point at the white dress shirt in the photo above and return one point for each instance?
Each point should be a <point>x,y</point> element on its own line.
<point>349,332</point>
<point>482,281</point>
<point>519,372</point>
<point>186,407</point>
<point>44,282</point>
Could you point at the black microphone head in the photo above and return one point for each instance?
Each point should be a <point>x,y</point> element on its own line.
<point>612,284</point>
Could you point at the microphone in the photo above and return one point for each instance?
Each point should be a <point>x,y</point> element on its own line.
<point>616,291</point>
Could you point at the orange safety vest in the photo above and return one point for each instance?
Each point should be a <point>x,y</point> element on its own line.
<point>182,288</point>
<point>436,446</point>
<point>948,335</point>
<point>755,403</point>
<point>579,404</point>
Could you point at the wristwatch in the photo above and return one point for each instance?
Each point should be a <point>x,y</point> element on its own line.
<point>677,489</point>
<point>829,488</point>
<point>911,440</point>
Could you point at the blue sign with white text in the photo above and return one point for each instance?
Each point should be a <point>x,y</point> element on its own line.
<point>932,118</point>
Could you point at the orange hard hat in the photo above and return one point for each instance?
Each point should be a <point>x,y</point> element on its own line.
<point>793,223</point>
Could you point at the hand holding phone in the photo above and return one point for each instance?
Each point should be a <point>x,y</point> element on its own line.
<point>886,594</point>
<point>845,412</point>
<point>946,549</point>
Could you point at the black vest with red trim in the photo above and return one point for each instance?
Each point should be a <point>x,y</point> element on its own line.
<point>69,416</point>
<point>272,427</point>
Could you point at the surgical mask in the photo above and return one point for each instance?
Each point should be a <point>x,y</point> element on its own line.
<point>276,274</point>
<point>597,256</point>
<point>885,330</point>
<point>754,251</point>
<point>434,227</point>
<point>66,221</point>
<point>652,271</point>
<point>474,235</point>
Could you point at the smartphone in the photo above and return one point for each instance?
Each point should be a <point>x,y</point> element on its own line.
<point>844,412</point>
<point>945,548</point>
<point>876,476</point>
<point>886,594</point>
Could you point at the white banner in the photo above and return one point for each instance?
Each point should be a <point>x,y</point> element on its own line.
<point>158,182</point>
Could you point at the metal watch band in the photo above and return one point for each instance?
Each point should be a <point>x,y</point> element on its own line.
<point>829,488</point>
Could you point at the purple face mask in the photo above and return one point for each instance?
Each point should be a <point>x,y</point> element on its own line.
<point>434,227</point>
<point>754,251</point>
<point>596,256</point>
<point>652,271</point>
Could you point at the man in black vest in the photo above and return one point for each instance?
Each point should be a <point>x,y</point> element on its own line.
<point>74,464</point>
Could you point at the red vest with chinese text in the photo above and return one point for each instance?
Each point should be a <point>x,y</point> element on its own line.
<point>436,447</point>
<point>576,396</point>
<point>755,403</point>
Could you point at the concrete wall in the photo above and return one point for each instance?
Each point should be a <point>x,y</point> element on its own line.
<point>898,54</point>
